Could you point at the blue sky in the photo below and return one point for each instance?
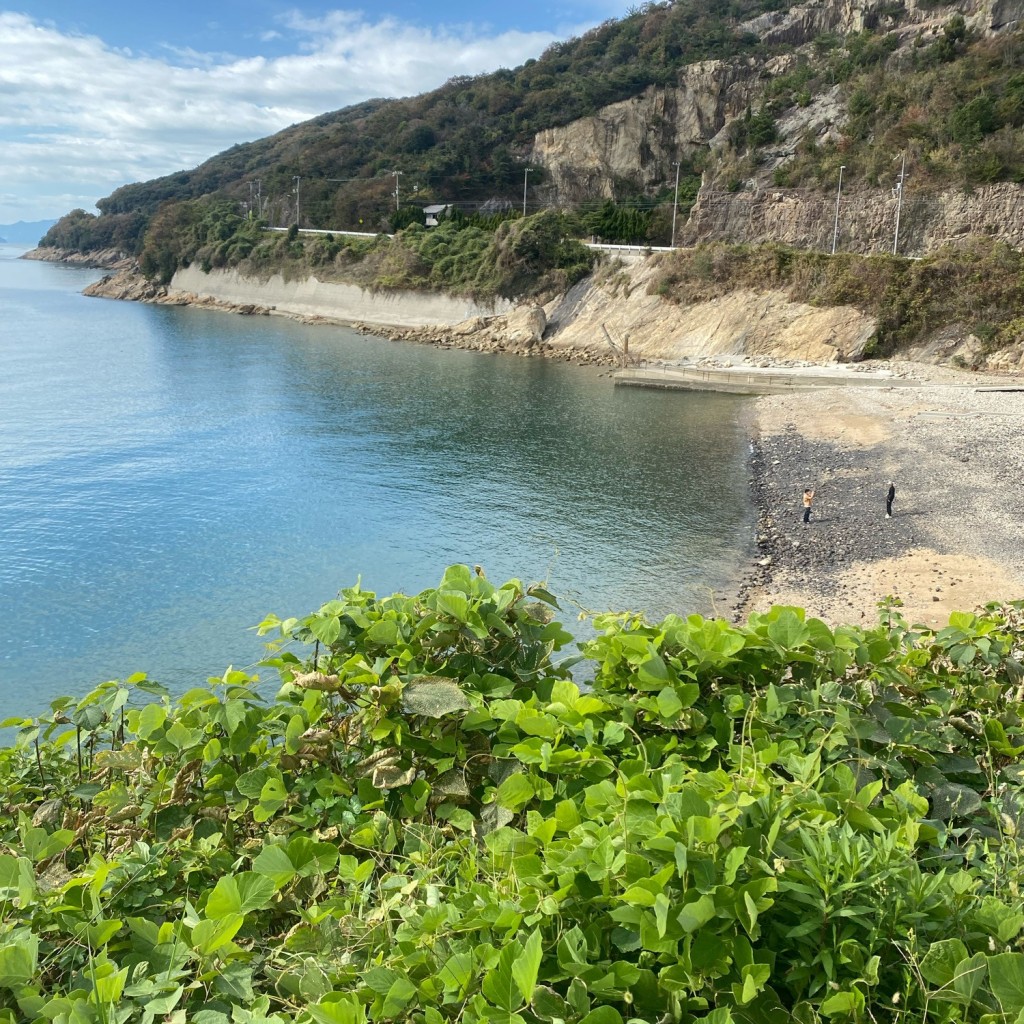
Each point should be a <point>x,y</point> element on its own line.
<point>93,95</point>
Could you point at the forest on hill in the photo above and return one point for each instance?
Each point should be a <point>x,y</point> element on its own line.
<point>461,143</point>
<point>926,84</point>
<point>947,95</point>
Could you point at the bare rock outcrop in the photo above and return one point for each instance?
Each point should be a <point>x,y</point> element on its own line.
<point>867,221</point>
<point>622,310</point>
<point>128,285</point>
<point>639,138</point>
<point>107,259</point>
<point>525,326</point>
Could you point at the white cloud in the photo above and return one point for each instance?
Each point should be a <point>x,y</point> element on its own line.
<point>79,117</point>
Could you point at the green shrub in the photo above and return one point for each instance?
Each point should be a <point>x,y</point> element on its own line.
<point>430,821</point>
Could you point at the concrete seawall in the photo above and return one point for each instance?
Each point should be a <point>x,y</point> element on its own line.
<point>740,380</point>
<point>311,297</point>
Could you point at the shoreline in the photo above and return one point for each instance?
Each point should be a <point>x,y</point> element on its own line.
<point>953,543</point>
<point>951,446</point>
<point>519,332</point>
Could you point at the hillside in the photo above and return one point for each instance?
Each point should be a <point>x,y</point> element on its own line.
<point>465,142</point>
<point>874,128</point>
<point>748,100</point>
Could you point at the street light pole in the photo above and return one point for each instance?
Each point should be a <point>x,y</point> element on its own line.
<point>298,198</point>
<point>526,174</point>
<point>835,229</point>
<point>675,206</point>
<point>899,202</point>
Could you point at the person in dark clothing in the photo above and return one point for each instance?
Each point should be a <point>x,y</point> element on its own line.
<point>808,498</point>
<point>889,498</point>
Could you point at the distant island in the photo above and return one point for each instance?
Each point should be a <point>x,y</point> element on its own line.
<point>24,232</point>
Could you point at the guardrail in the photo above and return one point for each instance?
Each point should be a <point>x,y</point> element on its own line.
<point>606,246</point>
<point>327,231</point>
<point>610,247</point>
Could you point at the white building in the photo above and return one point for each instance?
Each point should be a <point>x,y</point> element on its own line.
<point>434,213</point>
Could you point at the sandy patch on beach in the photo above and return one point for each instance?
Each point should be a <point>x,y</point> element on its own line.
<point>930,585</point>
<point>832,423</point>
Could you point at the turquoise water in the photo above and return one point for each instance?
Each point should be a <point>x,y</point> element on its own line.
<point>168,476</point>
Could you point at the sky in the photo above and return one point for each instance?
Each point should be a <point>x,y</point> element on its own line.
<point>97,94</point>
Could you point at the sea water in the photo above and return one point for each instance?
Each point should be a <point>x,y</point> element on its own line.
<point>170,475</point>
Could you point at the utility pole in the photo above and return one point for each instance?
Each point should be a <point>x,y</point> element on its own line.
<point>526,175</point>
<point>899,202</point>
<point>675,206</point>
<point>259,198</point>
<point>396,174</point>
<point>298,187</point>
<point>835,229</point>
<point>251,183</point>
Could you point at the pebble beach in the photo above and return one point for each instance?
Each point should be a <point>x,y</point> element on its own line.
<point>954,447</point>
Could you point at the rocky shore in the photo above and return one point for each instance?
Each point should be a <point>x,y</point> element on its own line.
<point>955,452</point>
<point>520,331</point>
<point>106,259</point>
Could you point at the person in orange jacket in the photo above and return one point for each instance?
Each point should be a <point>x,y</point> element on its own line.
<point>808,498</point>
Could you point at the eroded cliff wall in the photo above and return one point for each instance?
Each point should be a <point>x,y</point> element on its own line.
<point>744,323</point>
<point>867,221</point>
<point>638,140</point>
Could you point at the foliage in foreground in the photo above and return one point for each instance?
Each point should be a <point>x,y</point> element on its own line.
<point>430,822</point>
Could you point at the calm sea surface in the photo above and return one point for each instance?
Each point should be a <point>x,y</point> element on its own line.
<point>168,476</point>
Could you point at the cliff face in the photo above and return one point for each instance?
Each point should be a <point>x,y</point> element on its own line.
<point>639,139</point>
<point>867,222</point>
<point>744,323</point>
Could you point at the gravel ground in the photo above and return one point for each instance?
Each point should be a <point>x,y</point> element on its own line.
<point>956,455</point>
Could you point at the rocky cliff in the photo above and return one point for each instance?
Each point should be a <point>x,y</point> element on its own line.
<point>617,310</point>
<point>638,141</point>
<point>867,220</point>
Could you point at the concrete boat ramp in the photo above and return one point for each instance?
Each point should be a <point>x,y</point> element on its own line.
<point>755,380</point>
